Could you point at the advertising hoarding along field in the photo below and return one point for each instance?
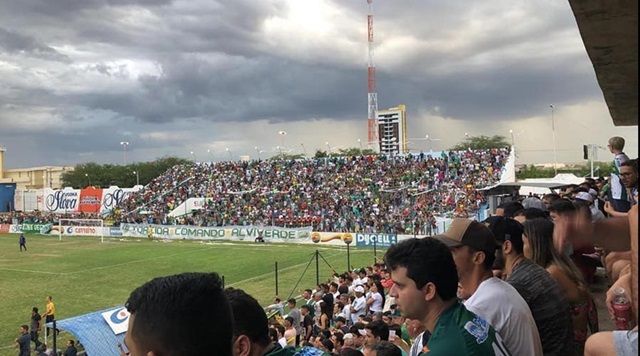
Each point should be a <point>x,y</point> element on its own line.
<point>379,240</point>
<point>210,233</point>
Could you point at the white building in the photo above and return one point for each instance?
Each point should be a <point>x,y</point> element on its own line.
<point>392,130</point>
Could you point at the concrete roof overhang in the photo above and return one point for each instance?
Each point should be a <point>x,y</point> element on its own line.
<point>609,30</point>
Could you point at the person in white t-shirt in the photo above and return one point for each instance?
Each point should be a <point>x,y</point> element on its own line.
<point>473,246</point>
<point>358,305</point>
<point>376,298</point>
<point>346,310</point>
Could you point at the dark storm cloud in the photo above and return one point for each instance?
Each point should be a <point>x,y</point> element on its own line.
<point>261,88</point>
<point>162,28</point>
<point>482,61</point>
<point>14,43</point>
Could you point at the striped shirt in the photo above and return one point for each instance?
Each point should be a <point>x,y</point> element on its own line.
<point>549,307</point>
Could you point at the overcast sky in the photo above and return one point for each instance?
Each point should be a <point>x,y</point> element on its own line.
<point>77,77</point>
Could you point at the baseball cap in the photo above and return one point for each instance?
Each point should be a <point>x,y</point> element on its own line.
<point>465,232</point>
<point>504,229</point>
<point>358,289</point>
<point>584,196</point>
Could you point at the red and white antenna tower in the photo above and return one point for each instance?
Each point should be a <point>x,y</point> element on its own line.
<point>372,96</point>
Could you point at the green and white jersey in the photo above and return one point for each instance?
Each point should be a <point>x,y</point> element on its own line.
<point>461,332</point>
<point>618,190</point>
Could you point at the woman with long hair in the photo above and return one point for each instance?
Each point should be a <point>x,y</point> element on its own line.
<point>324,319</point>
<point>538,247</point>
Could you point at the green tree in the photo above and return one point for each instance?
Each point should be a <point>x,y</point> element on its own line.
<point>481,142</point>
<point>355,151</point>
<point>346,152</point>
<point>600,169</point>
<point>287,156</point>
<point>105,175</point>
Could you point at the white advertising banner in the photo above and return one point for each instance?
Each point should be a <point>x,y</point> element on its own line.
<point>113,196</point>
<point>29,200</point>
<point>61,201</point>
<point>215,233</point>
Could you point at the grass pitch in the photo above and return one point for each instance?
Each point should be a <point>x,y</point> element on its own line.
<point>84,275</point>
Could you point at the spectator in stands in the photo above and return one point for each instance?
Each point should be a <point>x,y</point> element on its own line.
<point>290,332</point>
<point>324,319</point>
<point>71,349</point>
<point>614,234</point>
<point>250,325</point>
<point>341,324</point>
<point>281,340</point>
<point>533,202</point>
<point>184,314</point>
<point>418,334</point>
<point>588,201</point>
<point>277,306</point>
<point>382,348</point>
<point>307,322</point>
<point>359,334</point>
<point>561,210</point>
<point>359,304</point>
<point>297,318</point>
<point>376,298</point>
<point>618,261</point>
<point>548,305</point>
<point>629,179</point>
<point>548,199</point>
<point>617,192</point>
<point>425,284</point>
<point>349,351</point>
<point>538,247</point>
<point>376,331</point>
<point>473,247</point>
<point>530,213</point>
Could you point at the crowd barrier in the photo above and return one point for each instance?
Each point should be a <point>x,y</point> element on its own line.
<point>226,233</point>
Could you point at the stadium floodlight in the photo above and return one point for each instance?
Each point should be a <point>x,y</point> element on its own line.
<point>124,145</point>
<point>137,177</point>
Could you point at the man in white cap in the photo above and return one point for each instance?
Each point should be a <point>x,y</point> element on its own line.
<point>588,199</point>
<point>358,305</point>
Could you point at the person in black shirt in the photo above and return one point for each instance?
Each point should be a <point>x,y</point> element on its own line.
<point>23,242</point>
<point>71,349</point>
<point>23,342</point>
<point>35,325</point>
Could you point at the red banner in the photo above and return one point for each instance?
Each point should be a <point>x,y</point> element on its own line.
<point>90,200</point>
<point>4,228</point>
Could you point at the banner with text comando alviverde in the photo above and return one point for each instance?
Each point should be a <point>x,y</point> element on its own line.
<point>210,233</point>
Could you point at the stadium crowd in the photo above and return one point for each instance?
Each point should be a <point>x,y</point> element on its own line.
<point>521,270</point>
<point>401,194</point>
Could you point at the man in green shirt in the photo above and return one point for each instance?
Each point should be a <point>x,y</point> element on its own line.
<point>425,285</point>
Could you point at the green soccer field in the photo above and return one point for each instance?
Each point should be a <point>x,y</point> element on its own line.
<point>84,275</point>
